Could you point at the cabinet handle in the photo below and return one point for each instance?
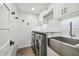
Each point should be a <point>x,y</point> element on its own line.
<point>65,10</point>
<point>62,11</point>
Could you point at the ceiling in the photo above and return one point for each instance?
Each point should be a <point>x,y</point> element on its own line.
<point>27,7</point>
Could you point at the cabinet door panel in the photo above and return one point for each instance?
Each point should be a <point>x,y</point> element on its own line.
<point>58,10</point>
<point>73,7</point>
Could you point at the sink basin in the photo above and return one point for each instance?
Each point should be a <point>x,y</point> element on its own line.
<point>72,41</point>
<point>64,46</point>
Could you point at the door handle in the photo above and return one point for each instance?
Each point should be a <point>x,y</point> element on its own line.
<point>11,42</point>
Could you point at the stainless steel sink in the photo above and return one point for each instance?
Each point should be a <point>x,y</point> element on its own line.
<point>64,46</point>
<point>67,40</point>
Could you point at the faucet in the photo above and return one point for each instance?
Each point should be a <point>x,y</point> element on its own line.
<point>71,29</point>
<point>71,34</point>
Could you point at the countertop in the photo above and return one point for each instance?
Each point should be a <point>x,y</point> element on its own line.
<point>56,35</point>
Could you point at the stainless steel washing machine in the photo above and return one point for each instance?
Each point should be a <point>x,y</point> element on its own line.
<point>39,44</point>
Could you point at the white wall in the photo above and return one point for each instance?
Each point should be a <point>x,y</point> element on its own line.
<point>53,26</point>
<point>25,31</point>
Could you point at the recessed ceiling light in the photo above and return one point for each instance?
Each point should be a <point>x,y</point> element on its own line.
<point>33,9</point>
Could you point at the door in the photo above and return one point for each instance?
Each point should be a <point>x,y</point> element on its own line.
<point>4,31</point>
<point>7,31</point>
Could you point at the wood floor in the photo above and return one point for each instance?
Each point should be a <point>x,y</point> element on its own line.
<point>25,52</point>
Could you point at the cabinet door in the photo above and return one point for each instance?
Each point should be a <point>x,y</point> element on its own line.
<point>57,11</point>
<point>60,9</point>
<point>73,7</point>
<point>64,9</point>
<point>4,30</point>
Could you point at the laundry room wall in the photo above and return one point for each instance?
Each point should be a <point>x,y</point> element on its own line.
<point>27,23</point>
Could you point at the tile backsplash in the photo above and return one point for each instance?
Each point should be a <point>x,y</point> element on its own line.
<point>63,26</point>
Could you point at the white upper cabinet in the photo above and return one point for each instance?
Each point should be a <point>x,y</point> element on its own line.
<point>73,7</point>
<point>59,10</point>
<point>64,9</point>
